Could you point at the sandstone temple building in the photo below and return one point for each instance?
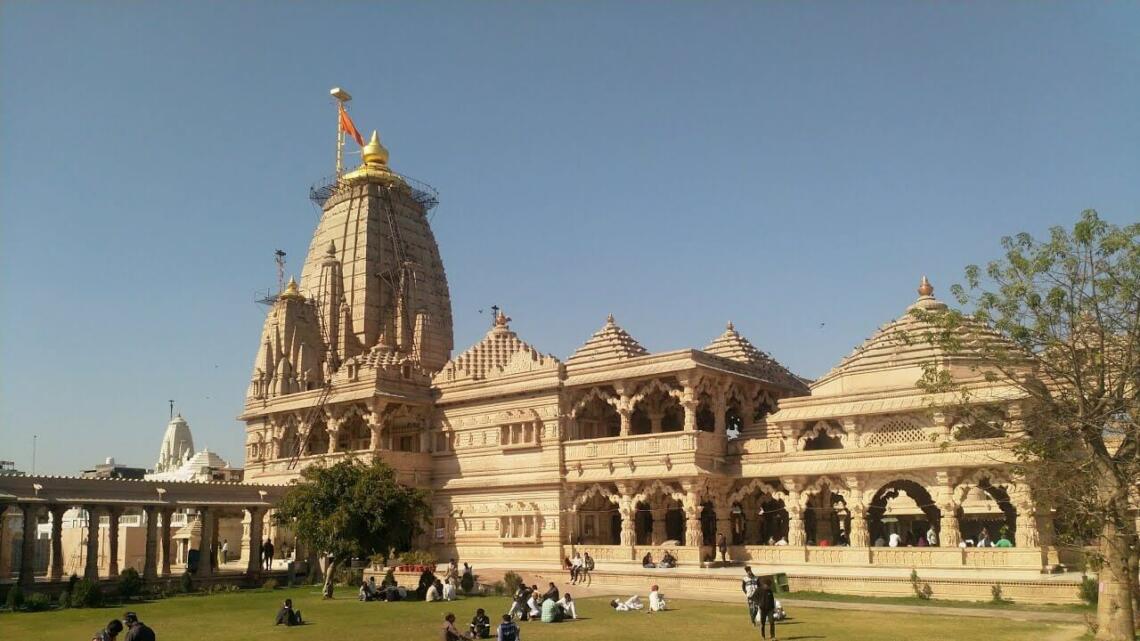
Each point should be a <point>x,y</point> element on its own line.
<point>614,449</point>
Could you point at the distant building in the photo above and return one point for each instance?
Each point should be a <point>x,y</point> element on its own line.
<point>177,445</point>
<point>8,468</point>
<point>112,470</point>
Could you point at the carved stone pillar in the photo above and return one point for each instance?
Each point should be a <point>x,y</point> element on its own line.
<point>655,419</point>
<point>1026,535</point>
<point>796,534</point>
<point>206,543</point>
<point>859,536</point>
<point>91,566</point>
<point>256,528</point>
<point>626,415</point>
<point>376,433</point>
<point>627,512</point>
<point>690,406</point>
<point>150,548</point>
<point>948,536</point>
<point>164,540</point>
<point>113,541</point>
<point>55,573</point>
<point>333,429</point>
<point>694,536</point>
<point>28,547</point>
<point>723,521</point>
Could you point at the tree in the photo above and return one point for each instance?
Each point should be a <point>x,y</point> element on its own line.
<point>1060,323</point>
<point>352,510</point>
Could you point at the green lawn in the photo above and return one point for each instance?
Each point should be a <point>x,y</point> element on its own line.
<point>249,616</point>
<point>940,603</point>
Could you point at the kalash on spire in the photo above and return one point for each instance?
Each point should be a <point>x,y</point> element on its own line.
<point>370,318</point>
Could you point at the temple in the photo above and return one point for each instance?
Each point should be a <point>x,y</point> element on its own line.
<point>617,450</point>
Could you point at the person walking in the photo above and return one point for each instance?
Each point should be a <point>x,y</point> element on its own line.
<point>750,586</point>
<point>267,550</point>
<point>767,605</point>
<point>722,545</point>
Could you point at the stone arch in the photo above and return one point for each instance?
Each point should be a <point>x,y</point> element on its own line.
<point>757,484</point>
<point>317,441</point>
<point>659,487</point>
<point>595,489</point>
<point>1011,498</point>
<point>596,416</point>
<point>656,408</point>
<point>353,433</point>
<point>596,517</point>
<point>827,434</point>
<point>909,525</point>
<point>596,393</point>
<point>826,506</point>
<point>655,385</point>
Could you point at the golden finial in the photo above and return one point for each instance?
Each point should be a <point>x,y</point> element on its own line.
<point>925,288</point>
<point>501,319</point>
<point>730,327</point>
<point>610,319</point>
<point>292,291</point>
<point>374,153</point>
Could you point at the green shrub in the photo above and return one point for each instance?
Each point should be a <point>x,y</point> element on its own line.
<point>416,557</point>
<point>270,584</point>
<point>498,588</point>
<point>86,595</point>
<point>389,578</point>
<point>996,594</point>
<point>186,583</point>
<point>1089,590</point>
<point>130,584</point>
<point>71,581</point>
<point>64,600</point>
<point>512,581</point>
<point>37,602</point>
<point>921,590</point>
<point>15,598</point>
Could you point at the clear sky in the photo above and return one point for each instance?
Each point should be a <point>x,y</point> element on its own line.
<point>794,167</point>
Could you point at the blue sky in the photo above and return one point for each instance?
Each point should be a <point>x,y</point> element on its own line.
<point>793,167</point>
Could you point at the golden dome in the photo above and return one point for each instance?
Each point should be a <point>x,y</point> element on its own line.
<point>925,288</point>
<point>292,291</point>
<point>374,153</point>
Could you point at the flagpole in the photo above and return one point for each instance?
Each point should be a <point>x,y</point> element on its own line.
<point>342,97</point>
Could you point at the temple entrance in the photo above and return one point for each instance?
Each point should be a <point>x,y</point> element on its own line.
<point>599,522</point>
<point>986,509</point>
<point>827,521</point>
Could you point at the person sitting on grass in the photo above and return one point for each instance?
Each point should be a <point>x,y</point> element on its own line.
<point>137,630</point>
<point>551,613</point>
<point>435,592</point>
<point>364,593</point>
<point>481,625</point>
<point>569,611</point>
<point>114,627</point>
<point>532,603</point>
<point>508,630</point>
<point>656,601</point>
<point>449,632</point>
<point>632,603</point>
<point>519,604</point>
<point>551,593</point>
<point>288,616</point>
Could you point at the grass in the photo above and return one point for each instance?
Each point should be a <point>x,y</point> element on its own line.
<point>808,595</point>
<point>249,616</point>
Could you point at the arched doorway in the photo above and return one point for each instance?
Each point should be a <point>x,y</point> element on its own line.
<point>902,508</point>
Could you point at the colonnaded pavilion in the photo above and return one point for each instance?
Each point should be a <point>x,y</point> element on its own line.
<point>619,451</point>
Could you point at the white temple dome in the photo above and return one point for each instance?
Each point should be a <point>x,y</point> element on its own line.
<point>177,445</point>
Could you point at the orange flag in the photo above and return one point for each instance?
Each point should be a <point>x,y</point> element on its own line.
<point>347,126</point>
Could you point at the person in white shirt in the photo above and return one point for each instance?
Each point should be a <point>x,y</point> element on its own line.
<point>567,605</point>
<point>532,603</point>
<point>931,537</point>
<point>894,540</point>
<point>632,603</point>
<point>656,601</point>
<point>575,568</point>
<point>782,541</point>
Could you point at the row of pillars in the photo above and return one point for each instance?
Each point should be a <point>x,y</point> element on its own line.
<point>155,543</point>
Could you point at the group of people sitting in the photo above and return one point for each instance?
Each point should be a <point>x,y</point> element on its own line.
<point>369,591</point>
<point>667,560</point>
<point>579,567</point>
<point>656,602</point>
<point>548,606</point>
<point>480,628</point>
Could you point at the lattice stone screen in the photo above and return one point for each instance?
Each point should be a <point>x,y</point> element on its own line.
<point>895,431</point>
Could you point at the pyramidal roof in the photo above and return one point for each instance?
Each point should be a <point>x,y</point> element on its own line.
<point>733,346</point>
<point>611,342</point>
<point>500,352</point>
<point>903,344</point>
